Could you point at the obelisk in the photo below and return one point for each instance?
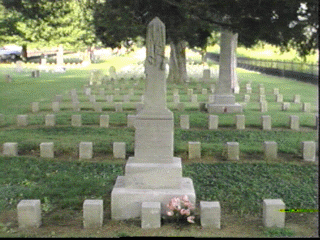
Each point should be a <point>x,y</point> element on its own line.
<point>153,174</point>
<point>224,99</point>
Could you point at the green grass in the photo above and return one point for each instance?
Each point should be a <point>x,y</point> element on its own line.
<point>65,184</point>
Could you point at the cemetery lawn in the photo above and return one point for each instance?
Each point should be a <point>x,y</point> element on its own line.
<point>63,183</point>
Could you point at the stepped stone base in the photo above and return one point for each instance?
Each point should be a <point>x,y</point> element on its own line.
<point>126,202</point>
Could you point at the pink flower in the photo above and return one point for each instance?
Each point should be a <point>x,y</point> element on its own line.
<point>190,219</point>
<point>169,213</point>
<point>185,212</point>
<point>185,198</point>
<point>189,205</point>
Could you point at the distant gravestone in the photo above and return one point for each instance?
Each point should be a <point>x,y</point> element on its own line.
<point>60,55</point>
<point>112,71</point>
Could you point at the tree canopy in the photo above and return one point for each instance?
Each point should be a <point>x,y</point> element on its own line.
<point>48,23</point>
<point>284,23</point>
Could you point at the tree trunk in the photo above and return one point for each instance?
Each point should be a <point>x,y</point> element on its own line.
<point>177,63</point>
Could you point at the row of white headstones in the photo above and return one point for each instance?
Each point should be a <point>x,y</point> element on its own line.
<point>30,216</point>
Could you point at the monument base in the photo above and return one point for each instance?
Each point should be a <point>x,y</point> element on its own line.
<point>224,108</point>
<point>126,202</point>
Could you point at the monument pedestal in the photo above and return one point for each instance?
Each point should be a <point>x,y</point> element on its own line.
<point>126,202</point>
<point>224,104</point>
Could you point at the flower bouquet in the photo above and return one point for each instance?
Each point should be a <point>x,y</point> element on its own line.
<point>180,208</point>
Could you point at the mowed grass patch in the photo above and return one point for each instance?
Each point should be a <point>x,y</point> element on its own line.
<point>240,187</point>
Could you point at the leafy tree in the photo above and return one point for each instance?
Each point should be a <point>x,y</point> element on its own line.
<point>46,23</point>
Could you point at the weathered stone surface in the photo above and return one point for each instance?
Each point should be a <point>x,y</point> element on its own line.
<point>10,149</point>
<point>270,149</point>
<point>151,215</point>
<point>210,214</point>
<point>213,121</point>
<point>47,150</point>
<point>271,215</point>
<point>119,150</point>
<point>194,150</point>
<point>29,213</point>
<point>308,150</point>
<point>92,213</point>
<point>85,150</point>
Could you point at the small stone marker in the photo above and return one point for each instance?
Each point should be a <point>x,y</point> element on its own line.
<point>119,150</point>
<point>261,90</point>
<point>270,149</point>
<point>308,150</point>
<point>46,150</point>
<point>266,122</point>
<point>206,75</point>
<point>109,98</point>
<point>87,91</point>
<point>10,149</point>
<point>211,98</point>
<point>246,98</point>
<point>279,98</point>
<point>294,122</point>
<point>97,107</point>
<point>50,120</point>
<point>240,122</point>
<point>22,120</point>
<point>176,99</point>
<point>272,216</point>
<point>194,98</point>
<point>306,107</point>
<point>85,150</point>
<point>55,106</point>
<point>263,106</point>
<point>276,91</point>
<point>76,121</point>
<point>151,215</point>
<point>232,151</point>
<point>35,107</point>
<point>213,121</point>
<point>29,213</point>
<point>92,213</point>
<point>104,121</point>
<point>184,122</point>
<point>210,214</point>
<point>130,120</point>
<point>296,98</point>
<point>76,106</point>
<point>194,150</point>
<point>285,106</point>
<point>204,91</point>
<point>118,107</point>
<point>58,98</point>
<point>262,98</point>
<point>92,98</point>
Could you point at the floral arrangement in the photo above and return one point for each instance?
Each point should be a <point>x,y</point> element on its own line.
<point>181,207</point>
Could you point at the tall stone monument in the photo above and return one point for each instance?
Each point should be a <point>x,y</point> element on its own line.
<point>153,174</point>
<point>224,99</point>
